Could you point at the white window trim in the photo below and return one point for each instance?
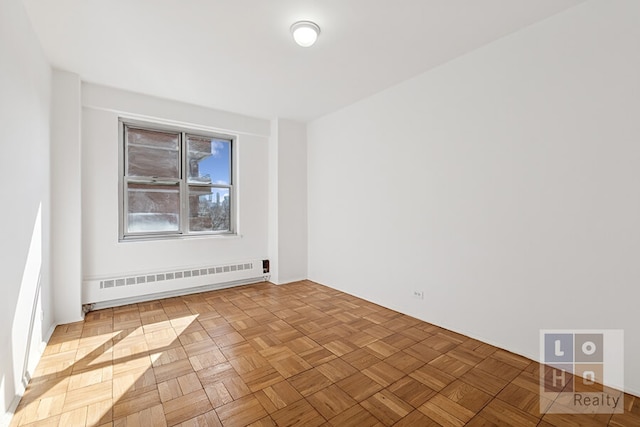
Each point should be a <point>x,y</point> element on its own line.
<point>183,232</point>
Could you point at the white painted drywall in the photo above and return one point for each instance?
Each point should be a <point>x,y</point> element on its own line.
<point>66,188</point>
<point>103,254</point>
<point>25,306</point>
<point>504,184</point>
<point>292,200</point>
<point>288,200</point>
<point>273,222</point>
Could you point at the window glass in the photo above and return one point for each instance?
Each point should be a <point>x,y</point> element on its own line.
<point>153,208</point>
<point>153,154</point>
<point>209,209</point>
<point>209,160</point>
<point>175,182</point>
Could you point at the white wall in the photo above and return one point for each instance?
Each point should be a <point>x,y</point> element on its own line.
<point>103,254</point>
<point>25,306</point>
<point>273,221</point>
<point>292,200</point>
<point>288,201</point>
<point>66,188</point>
<point>504,184</point>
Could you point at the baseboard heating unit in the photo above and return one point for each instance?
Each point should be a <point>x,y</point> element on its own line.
<point>103,292</point>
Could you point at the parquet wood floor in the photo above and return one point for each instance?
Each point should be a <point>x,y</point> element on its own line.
<point>293,355</point>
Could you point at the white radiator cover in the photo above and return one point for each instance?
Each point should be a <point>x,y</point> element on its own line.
<point>139,286</point>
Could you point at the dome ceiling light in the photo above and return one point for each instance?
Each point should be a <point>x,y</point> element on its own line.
<point>305,33</point>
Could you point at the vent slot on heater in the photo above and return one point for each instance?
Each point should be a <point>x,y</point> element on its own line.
<point>177,274</point>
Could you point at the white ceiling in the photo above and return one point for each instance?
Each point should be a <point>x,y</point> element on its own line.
<point>238,55</point>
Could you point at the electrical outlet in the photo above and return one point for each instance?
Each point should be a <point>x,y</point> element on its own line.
<point>418,294</point>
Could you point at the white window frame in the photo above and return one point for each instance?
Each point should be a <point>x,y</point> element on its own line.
<point>182,182</point>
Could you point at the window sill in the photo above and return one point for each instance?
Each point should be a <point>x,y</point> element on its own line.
<point>225,236</point>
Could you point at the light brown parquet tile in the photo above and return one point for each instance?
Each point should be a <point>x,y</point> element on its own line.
<point>210,419</point>
<point>432,377</point>
<point>336,370</point>
<point>295,355</point>
<point>298,414</point>
<point>215,373</point>
<point>44,409</point>
<point>501,413</point>
<point>398,341</point>
<point>133,383</point>
<point>39,388</point>
<point>524,400</point>
<point>404,362</point>
<point>478,421</point>
<point>261,378</point>
<point>241,412</point>
<point>466,395</point>
<point>383,373</point>
<point>169,355</point>
<point>450,365</point>
<point>218,394</point>
<point>441,342</point>
<point>88,395</point>
<point>387,407</point>
<point>248,362</point>
<point>411,391</point>
<point>416,418</point>
<point>415,333</point>
<point>152,416</point>
<point>172,370</point>
<point>355,416</point>
<point>199,347</point>
<point>512,359</point>
<point>484,381</point>
<point>382,349</point>
<point>331,401</point>
<point>422,352</point>
<point>361,358</point>
<point>211,357</point>
<point>499,369</point>
<point>278,396</point>
<point>378,331</point>
<point>100,413</point>
<point>309,382</point>
<point>48,422</point>
<point>317,356</point>
<point>303,345</point>
<point>340,347</point>
<point>290,366</point>
<point>132,405</point>
<point>466,355</point>
<point>236,387</point>
<point>186,407</point>
<point>359,386</point>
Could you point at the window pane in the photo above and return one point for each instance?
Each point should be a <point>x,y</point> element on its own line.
<point>209,160</point>
<point>153,208</point>
<point>152,153</point>
<point>209,209</point>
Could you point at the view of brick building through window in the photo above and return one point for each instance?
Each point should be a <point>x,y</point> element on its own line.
<point>209,207</point>
<point>154,182</point>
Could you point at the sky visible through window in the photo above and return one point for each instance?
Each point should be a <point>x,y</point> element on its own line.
<point>217,166</point>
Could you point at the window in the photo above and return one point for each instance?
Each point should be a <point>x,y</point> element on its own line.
<point>175,182</point>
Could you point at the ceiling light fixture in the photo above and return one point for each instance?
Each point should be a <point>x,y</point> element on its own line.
<point>305,33</point>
